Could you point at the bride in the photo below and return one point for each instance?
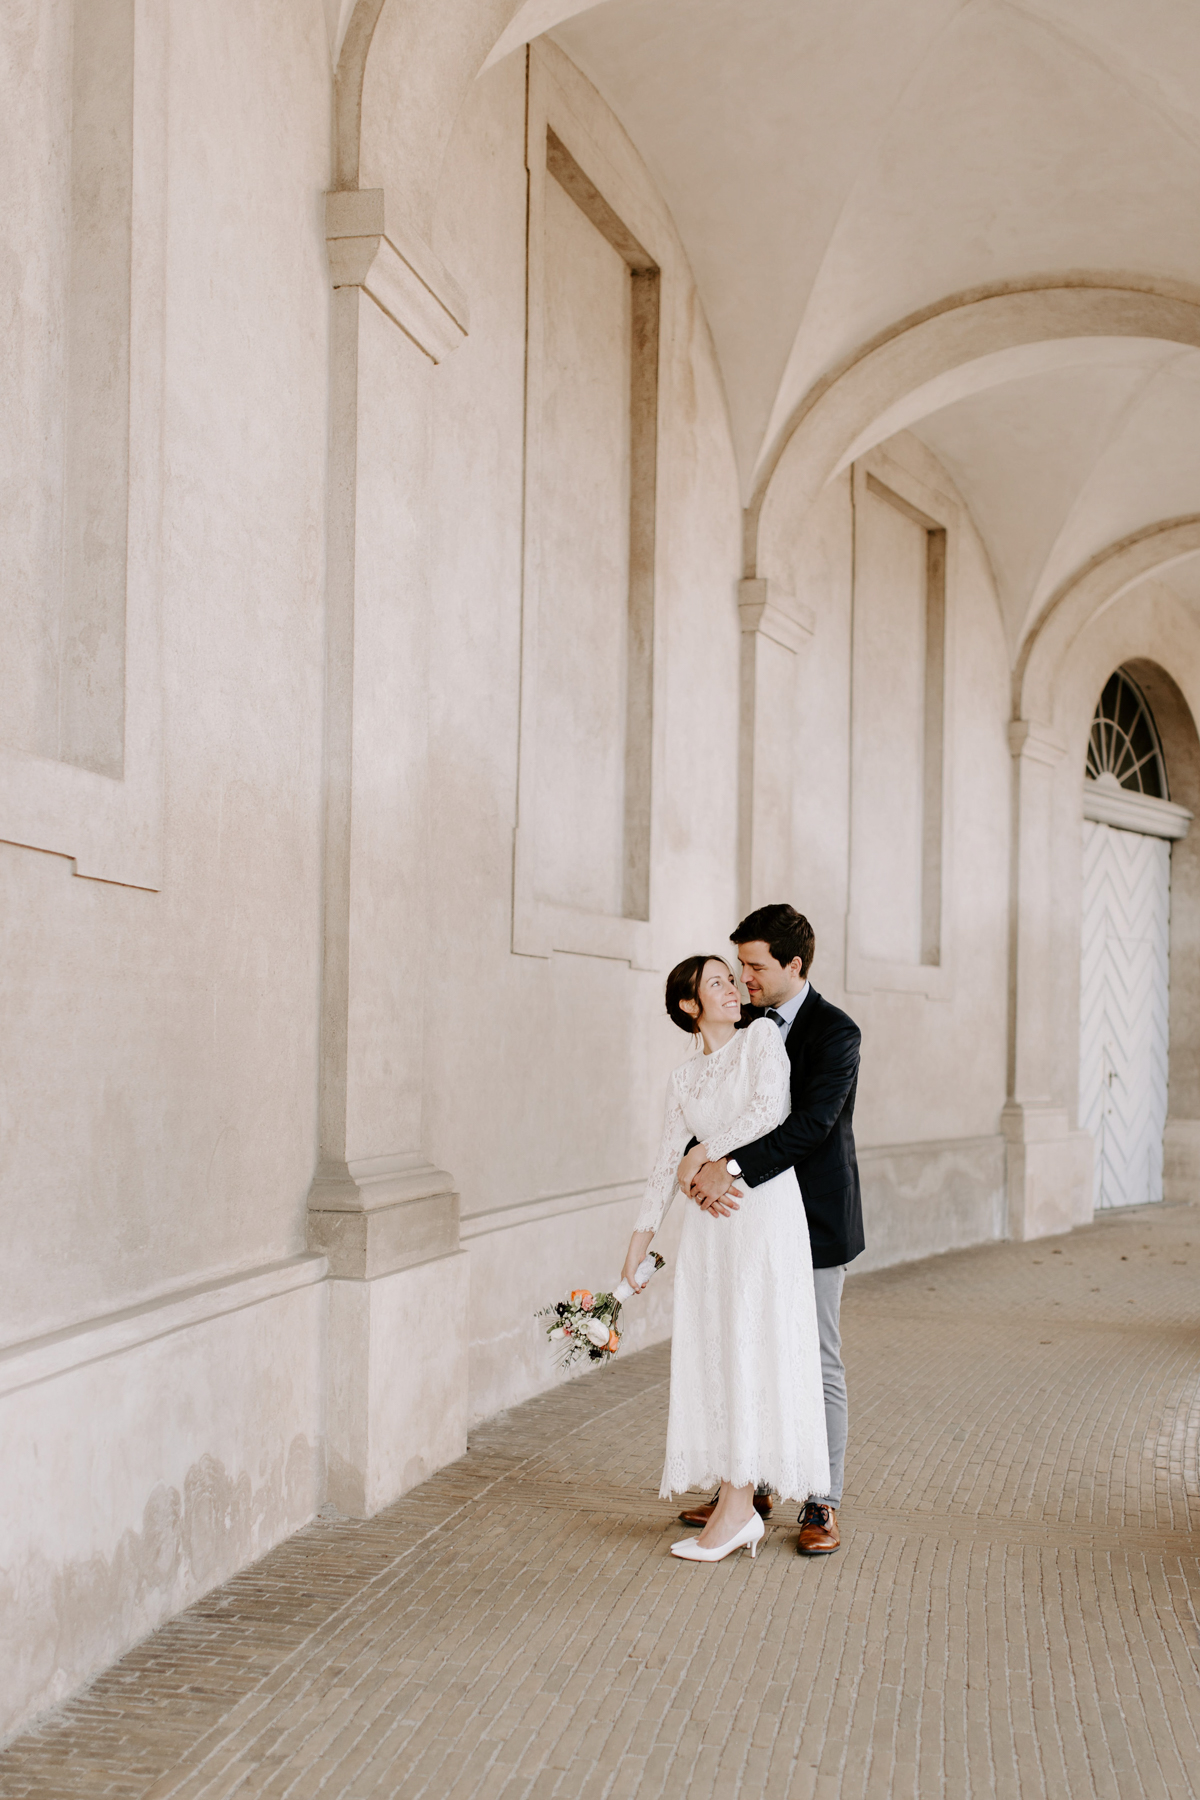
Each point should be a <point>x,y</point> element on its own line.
<point>747,1406</point>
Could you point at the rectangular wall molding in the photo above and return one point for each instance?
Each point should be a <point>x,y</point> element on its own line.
<point>609,916</point>
<point>90,787</point>
<point>547,1206</point>
<point>905,570</point>
<point>112,1334</point>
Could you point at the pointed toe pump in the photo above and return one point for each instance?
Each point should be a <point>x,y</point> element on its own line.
<point>751,1534</point>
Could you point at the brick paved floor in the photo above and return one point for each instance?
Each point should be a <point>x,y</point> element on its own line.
<point>1013,1612</point>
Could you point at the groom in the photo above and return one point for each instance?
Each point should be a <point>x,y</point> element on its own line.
<point>776,945</point>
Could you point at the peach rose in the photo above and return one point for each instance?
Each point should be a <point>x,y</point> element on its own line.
<point>613,1341</point>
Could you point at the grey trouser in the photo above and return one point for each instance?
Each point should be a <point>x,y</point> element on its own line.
<point>828,1284</point>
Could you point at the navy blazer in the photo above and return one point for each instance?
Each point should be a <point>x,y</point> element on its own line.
<point>817,1137</point>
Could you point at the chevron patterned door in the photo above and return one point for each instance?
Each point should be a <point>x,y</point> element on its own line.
<point>1123,1010</point>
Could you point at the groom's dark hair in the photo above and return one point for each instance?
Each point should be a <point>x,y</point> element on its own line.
<point>784,931</point>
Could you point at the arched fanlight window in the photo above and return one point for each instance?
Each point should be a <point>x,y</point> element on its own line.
<point>1124,741</point>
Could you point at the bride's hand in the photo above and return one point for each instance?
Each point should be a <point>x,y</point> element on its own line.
<point>688,1169</point>
<point>639,1243</point>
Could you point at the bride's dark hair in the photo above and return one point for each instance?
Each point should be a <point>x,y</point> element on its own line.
<point>683,983</point>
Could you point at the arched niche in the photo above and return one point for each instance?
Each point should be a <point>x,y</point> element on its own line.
<point>1148,629</point>
<point>1181,753</point>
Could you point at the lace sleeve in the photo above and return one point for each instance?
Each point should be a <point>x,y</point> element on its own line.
<point>660,1189</point>
<point>770,1091</point>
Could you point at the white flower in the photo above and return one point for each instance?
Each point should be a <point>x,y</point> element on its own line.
<point>597,1331</point>
<point>558,1332</point>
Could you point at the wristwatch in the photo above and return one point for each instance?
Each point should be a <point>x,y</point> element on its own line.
<point>734,1166</point>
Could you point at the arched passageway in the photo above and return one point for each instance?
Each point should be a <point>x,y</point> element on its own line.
<point>495,490</point>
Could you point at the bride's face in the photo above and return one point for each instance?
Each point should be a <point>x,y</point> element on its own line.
<point>720,1002</point>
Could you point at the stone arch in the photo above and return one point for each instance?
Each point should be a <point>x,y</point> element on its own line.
<point>347,91</point>
<point>451,39</point>
<point>837,414</point>
<point>1102,581</point>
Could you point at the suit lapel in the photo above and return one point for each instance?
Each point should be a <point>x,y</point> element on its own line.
<point>802,1024</point>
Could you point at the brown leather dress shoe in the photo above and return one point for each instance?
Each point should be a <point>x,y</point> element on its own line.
<point>819,1534</point>
<point>700,1515</point>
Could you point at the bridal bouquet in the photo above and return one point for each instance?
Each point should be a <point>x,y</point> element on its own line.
<point>586,1324</point>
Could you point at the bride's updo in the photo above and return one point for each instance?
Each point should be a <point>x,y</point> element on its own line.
<point>683,983</point>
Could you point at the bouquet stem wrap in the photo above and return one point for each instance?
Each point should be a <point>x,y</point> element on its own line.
<point>649,1265</point>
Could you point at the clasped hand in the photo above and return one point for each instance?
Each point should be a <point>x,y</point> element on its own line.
<point>709,1184</point>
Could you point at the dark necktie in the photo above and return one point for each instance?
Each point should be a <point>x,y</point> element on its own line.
<point>778,1017</point>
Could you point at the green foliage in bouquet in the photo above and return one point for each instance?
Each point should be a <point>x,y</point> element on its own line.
<point>586,1324</point>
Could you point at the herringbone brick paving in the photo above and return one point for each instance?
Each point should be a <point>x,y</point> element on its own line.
<point>1013,1612</point>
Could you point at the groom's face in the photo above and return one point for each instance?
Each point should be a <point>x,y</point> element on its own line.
<point>768,983</point>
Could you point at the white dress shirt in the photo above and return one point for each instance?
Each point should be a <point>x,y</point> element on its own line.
<point>789,1009</point>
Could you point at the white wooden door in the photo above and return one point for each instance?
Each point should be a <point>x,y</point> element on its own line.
<point>1123,1010</point>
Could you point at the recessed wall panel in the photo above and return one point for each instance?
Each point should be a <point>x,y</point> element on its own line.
<point>890,600</point>
<point>67,145</point>
<point>584,576</point>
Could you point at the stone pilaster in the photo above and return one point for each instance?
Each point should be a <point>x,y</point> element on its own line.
<point>1049,1164</point>
<point>385,1218</point>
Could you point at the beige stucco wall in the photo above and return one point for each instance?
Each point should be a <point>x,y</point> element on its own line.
<point>161,1057</point>
<point>158,1060</point>
<point>545,1078</point>
<point>933,1078</point>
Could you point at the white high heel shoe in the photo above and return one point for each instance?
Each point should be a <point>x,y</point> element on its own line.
<point>752,1533</point>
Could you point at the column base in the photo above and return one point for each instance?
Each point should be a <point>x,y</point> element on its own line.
<point>1181,1160</point>
<point>1049,1172</point>
<point>396,1391</point>
<point>397,1388</point>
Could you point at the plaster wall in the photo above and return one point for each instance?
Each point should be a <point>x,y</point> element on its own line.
<point>159,1050</point>
<point>35,147</point>
<point>933,1069</point>
<point>149,1456</point>
<point>158,1053</point>
<point>545,1077</point>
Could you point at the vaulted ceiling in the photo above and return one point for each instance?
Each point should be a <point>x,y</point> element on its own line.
<point>836,166</point>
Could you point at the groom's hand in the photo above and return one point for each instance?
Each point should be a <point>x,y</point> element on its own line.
<point>712,1186</point>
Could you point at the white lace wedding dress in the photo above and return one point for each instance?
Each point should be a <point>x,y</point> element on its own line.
<point>746,1398</point>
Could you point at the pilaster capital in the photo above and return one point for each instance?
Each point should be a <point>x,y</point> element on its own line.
<point>765,609</point>
<point>1032,742</point>
<point>1034,1122</point>
<point>391,263</point>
